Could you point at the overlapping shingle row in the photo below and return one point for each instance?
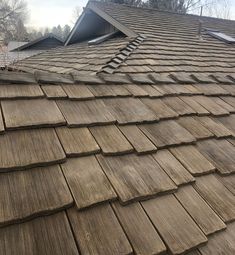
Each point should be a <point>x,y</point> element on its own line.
<point>116,164</point>
<point>171,44</point>
<point>82,58</point>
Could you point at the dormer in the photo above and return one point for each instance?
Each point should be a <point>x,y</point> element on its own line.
<point>96,25</point>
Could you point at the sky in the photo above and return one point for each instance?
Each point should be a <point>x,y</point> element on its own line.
<point>49,13</point>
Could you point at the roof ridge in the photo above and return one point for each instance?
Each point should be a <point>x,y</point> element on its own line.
<point>162,11</point>
<point>122,55</point>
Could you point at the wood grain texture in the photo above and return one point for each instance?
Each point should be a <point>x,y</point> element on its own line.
<point>109,90</point>
<point>173,167</point>
<point>193,160</point>
<point>178,106</point>
<point>135,177</point>
<point>165,89</point>
<point>199,109</point>
<point>81,113</point>
<point>167,133</point>
<point>98,231</point>
<point>217,196</point>
<point>87,181</point>
<point>54,91</point>
<point>138,140</point>
<point>152,92</point>
<point>229,88</point>
<point>43,190</point>
<point>140,78</point>
<point>211,89</point>
<point>139,229</point>
<point>195,128</point>
<point>161,109</point>
<point>223,104</point>
<point>28,148</point>
<point>20,91</point>
<point>229,100</point>
<point>17,78</point>
<point>221,243</point>
<point>2,128</point>
<point>44,235</point>
<point>47,77</point>
<point>228,122</point>
<point>27,113</point>
<point>194,252</point>
<point>215,127</point>
<point>176,89</point>
<point>111,140</point>
<point>78,92</point>
<point>136,90</point>
<point>205,217</point>
<point>77,141</point>
<point>211,106</point>
<point>129,110</point>
<point>229,182</point>
<point>221,153</point>
<point>232,141</point>
<point>176,227</point>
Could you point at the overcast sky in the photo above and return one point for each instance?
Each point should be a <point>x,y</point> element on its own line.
<point>49,13</point>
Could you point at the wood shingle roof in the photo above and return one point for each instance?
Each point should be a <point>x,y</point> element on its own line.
<point>114,171</point>
<point>126,147</point>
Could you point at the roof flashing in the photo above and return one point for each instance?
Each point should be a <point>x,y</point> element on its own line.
<point>102,38</point>
<point>220,36</point>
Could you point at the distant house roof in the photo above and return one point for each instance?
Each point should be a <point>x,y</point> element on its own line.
<point>15,44</point>
<point>9,57</point>
<point>46,42</point>
<point>131,151</point>
<point>16,51</point>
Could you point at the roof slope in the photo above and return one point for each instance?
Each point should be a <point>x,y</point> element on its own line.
<point>115,164</point>
<point>139,163</point>
<point>172,43</point>
<point>81,57</point>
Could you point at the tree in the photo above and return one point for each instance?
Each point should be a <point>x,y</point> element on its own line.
<point>66,31</point>
<point>13,14</point>
<point>76,13</point>
<point>128,2</point>
<point>21,33</point>
<point>59,31</point>
<point>216,8</point>
<point>54,30</point>
<point>179,6</point>
<point>46,31</point>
